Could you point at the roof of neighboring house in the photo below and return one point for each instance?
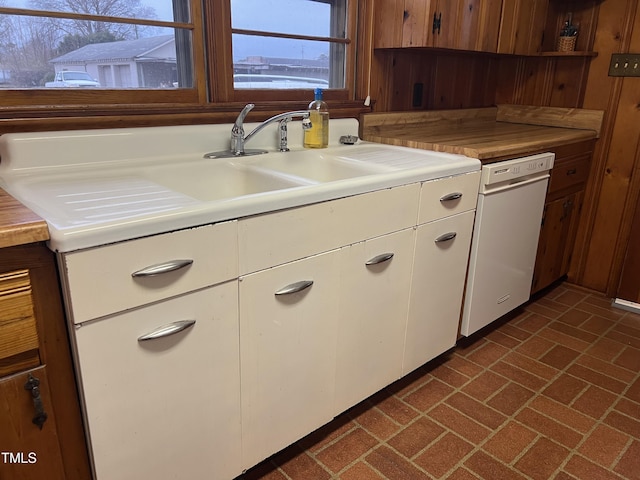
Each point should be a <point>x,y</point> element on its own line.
<point>121,50</point>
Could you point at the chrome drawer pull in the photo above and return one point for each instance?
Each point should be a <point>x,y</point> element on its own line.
<point>446,237</point>
<point>295,287</point>
<point>167,330</point>
<point>451,196</point>
<point>383,257</point>
<point>161,268</point>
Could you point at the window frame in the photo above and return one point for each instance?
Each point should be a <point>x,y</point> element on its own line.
<point>211,31</point>
<point>47,97</point>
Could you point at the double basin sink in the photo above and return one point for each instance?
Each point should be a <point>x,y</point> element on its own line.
<point>229,178</point>
<point>95,188</point>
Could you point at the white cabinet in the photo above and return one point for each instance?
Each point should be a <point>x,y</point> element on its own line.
<point>440,265</point>
<point>168,407</point>
<point>288,348</point>
<point>374,296</point>
<point>300,314</point>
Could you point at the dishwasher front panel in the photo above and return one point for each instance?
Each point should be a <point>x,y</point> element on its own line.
<point>503,252</point>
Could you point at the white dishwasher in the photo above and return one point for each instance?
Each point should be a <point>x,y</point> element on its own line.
<point>505,238</point>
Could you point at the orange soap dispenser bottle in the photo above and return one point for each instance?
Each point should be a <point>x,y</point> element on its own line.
<point>318,135</point>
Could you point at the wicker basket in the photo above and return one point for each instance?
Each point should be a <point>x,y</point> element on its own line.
<point>566,44</point>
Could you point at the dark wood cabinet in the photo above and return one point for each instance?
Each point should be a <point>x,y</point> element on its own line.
<point>41,431</point>
<point>561,213</point>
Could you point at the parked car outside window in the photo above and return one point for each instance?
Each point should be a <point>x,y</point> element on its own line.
<point>73,79</point>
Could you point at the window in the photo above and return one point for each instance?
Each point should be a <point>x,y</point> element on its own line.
<point>118,44</point>
<point>292,43</point>
<point>173,52</point>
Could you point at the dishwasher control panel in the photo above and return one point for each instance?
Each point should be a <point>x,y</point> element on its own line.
<point>515,169</point>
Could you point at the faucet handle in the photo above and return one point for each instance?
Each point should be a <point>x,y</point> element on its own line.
<point>239,121</point>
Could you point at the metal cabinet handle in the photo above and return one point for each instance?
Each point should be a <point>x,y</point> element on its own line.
<point>33,384</point>
<point>383,257</point>
<point>295,287</point>
<point>451,196</point>
<point>572,171</point>
<point>446,237</point>
<point>167,330</point>
<point>160,268</point>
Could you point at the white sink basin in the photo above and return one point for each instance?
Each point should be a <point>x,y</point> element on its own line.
<point>314,165</point>
<point>212,180</point>
<point>99,187</point>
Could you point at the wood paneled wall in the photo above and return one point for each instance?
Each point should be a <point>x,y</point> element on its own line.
<point>614,186</point>
<point>453,80</point>
<point>470,80</point>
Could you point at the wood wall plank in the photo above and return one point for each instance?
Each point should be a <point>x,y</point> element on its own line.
<point>609,199</point>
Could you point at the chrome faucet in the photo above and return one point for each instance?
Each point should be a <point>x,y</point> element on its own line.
<point>239,140</point>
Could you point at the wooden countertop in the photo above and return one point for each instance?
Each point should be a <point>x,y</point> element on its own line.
<point>18,224</point>
<point>487,133</point>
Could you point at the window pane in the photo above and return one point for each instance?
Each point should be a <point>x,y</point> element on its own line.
<point>147,9</point>
<point>286,63</point>
<point>301,17</point>
<point>114,55</point>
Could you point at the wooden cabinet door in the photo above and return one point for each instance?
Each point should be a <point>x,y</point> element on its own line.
<point>557,236</point>
<point>456,24</point>
<point>440,266</point>
<point>417,23</point>
<point>28,451</point>
<point>445,15</point>
<point>478,25</point>
<point>288,352</point>
<point>522,26</point>
<point>388,23</point>
<point>374,294</point>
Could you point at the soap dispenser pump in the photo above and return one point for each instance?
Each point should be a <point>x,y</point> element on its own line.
<point>318,135</point>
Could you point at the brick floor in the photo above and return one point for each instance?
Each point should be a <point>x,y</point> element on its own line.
<point>553,392</point>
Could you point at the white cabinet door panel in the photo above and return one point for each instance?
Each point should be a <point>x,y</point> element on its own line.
<point>373,315</point>
<point>166,408</point>
<point>288,351</point>
<point>438,283</point>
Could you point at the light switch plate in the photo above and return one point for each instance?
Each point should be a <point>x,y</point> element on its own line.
<point>625,65</point>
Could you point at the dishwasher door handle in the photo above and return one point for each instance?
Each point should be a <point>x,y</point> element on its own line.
<point>489,190</point>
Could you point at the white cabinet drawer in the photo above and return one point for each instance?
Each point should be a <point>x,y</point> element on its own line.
<point>448,196</point>
<point>277,238</point>
<point>101,281</point>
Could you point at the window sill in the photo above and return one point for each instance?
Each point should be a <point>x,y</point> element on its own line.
<point>75,117</point>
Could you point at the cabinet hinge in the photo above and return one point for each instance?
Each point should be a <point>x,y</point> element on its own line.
<point>437,23</point>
